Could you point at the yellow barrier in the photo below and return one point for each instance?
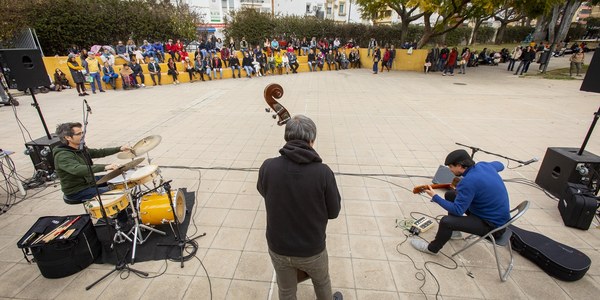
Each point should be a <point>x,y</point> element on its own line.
<point>402,62</point>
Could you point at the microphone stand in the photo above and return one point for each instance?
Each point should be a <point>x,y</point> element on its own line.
<point>181,240</point>
<point>121,262</point>
<point>475,150</point>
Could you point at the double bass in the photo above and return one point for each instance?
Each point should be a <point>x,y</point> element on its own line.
<point>275,91</point>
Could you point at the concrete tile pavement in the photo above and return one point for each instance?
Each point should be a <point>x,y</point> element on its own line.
<point>398,123</point>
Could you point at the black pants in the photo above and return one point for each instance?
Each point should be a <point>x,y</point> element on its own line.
<point>469,224</point>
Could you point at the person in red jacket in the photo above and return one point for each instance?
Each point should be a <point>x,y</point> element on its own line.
<point>451,62</point>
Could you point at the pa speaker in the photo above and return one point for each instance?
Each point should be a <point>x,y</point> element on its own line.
<point>592,76</point>
<point>562,165</point>
<point>26,67</point>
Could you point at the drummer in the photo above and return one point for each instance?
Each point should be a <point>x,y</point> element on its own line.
<point>72,167</point>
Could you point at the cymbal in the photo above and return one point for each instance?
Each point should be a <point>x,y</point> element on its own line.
<point>120,170</point>
<point>144,145</point>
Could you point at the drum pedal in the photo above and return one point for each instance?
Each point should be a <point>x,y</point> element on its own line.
<point>420,225</point>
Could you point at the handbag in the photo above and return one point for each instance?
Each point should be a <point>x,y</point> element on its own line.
<point>89,78</point>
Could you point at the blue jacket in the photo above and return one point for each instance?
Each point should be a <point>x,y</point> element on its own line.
<point>482,192</point>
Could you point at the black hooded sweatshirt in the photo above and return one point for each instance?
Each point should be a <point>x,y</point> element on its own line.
<point>301,195</point>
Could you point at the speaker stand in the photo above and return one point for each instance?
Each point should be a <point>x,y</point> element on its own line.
<point>37,107</point>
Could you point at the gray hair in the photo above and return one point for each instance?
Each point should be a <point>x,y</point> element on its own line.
<point>66,129</point>
<point>300,127</point>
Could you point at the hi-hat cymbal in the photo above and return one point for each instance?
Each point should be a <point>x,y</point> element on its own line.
<point>144,145</point>
<point>120,170</point>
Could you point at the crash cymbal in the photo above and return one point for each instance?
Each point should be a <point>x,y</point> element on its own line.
<point>120,170</point>
<point>144,145</point>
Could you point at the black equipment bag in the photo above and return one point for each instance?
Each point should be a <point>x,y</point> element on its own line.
<point>556,259</point>
<point>62,256</point>
<point>578,206</point>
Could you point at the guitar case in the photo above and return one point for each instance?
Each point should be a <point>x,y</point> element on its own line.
<point>556,259</point>
<point>61,257</point>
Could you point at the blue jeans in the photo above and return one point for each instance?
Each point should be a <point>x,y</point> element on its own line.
<point>317,268</point>
<point>375,67</point>
<point>88,193</point>
<point>96,77</point>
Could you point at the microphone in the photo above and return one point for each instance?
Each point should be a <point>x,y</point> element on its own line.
<point>87,106</point>
<point>529,161</point>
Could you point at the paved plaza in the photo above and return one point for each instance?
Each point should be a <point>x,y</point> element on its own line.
<point>401,124</point>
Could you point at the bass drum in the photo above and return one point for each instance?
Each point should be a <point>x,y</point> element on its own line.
<point>155,208</point>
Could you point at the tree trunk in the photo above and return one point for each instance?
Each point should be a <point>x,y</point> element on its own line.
<point>540,29</point>
<point>500,33</point>
<point>569,12</point>
<point>404,33</point>
<point>473,39</point>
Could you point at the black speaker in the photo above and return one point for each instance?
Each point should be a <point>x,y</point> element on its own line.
<point>562,165</point>
<point>26,67</point>
<point>40,152</point>
<point>592,76</point>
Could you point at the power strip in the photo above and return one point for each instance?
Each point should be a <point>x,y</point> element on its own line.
<point>422,224</point>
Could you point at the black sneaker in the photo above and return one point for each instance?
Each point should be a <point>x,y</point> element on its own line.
<point>338,296</point>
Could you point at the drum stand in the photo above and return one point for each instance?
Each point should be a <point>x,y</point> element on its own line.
<point>137,233</point>
<point>181,240</point>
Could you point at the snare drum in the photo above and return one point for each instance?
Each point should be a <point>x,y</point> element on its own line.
<point>114,202</point>
<point>155,208</point>
<point>135,177</point>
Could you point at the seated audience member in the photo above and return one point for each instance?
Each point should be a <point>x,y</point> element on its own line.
<point>127,76</point>
<point>154,70</point>
<point>234,63</point>
<point>206,67</point>
<point>189,68</point>
<point>159,51</point>
<point>293,61</point>
<point>122,51</point>
<point>312,61</point>
<point>198,66</point>
<point>225,56</point>
<point>279,63</point>
<point>271,64</point>
<point>107,57</point>
<point>342,61</point>
<point>321,60</point>
<point>247,64</point>
<point>285,62</point>
<point>137,71</point>
<point>138,56</point>
<point>330,59</point>
<point>256,66</point>
<point>130,48</point>
<point>217,64</point>
<point>60,80</point>
<point>109,77</point>
<point>178,48</point>
<point>173,70</point>
<point>148,50</point>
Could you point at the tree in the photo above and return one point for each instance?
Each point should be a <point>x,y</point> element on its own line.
<point>13,17</point>
<point>510,11</point>
<point>406,11</point>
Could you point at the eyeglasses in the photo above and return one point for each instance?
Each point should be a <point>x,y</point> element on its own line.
<point>77,134</point>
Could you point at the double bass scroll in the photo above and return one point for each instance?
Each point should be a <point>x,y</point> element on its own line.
<point>275,91</point>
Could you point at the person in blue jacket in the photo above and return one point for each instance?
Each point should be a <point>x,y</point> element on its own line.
<point>479,204</point>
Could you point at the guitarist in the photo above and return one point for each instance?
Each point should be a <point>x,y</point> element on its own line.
<point>481,195</point>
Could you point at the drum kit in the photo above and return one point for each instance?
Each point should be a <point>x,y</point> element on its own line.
<point>139,193</point>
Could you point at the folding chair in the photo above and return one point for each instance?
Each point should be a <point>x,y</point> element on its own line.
<point>502,241</point>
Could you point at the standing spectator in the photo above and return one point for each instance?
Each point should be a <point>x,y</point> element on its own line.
<point>443,57</point>
<point>172,70</point>
<point>110,77</point>
<point>371,47</point>
<point>390,61</point>
<point>376,58</point>
<point>154,70</point>
<point>137,71</point>
<point>451,62</point>
<point>77,74</point>
<point>514,56</point>
<point>526,59</point>
<point>576,61</point>
<point>93,68</point>
<point>386,58</point>
<point>429,61</point>
<point>464,61</point>
<point>298,186</point>
<point>122,51</point>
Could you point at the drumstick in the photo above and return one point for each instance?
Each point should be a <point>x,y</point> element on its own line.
<point>59,230</point>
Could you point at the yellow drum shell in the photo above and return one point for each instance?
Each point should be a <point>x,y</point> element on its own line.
<point>135,177</point>
<point>114,202</point>
<point>155,208</point>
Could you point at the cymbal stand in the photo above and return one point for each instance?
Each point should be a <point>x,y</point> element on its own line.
<point>121,261</point>
<point>182,241</point>
<point>138,237</point>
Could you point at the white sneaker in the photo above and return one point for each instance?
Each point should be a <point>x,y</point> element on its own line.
<point>456,235</point>
<point>143,85</point>
<point>421,245</point>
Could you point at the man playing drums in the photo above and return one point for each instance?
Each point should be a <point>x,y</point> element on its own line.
<point>71,164</point>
